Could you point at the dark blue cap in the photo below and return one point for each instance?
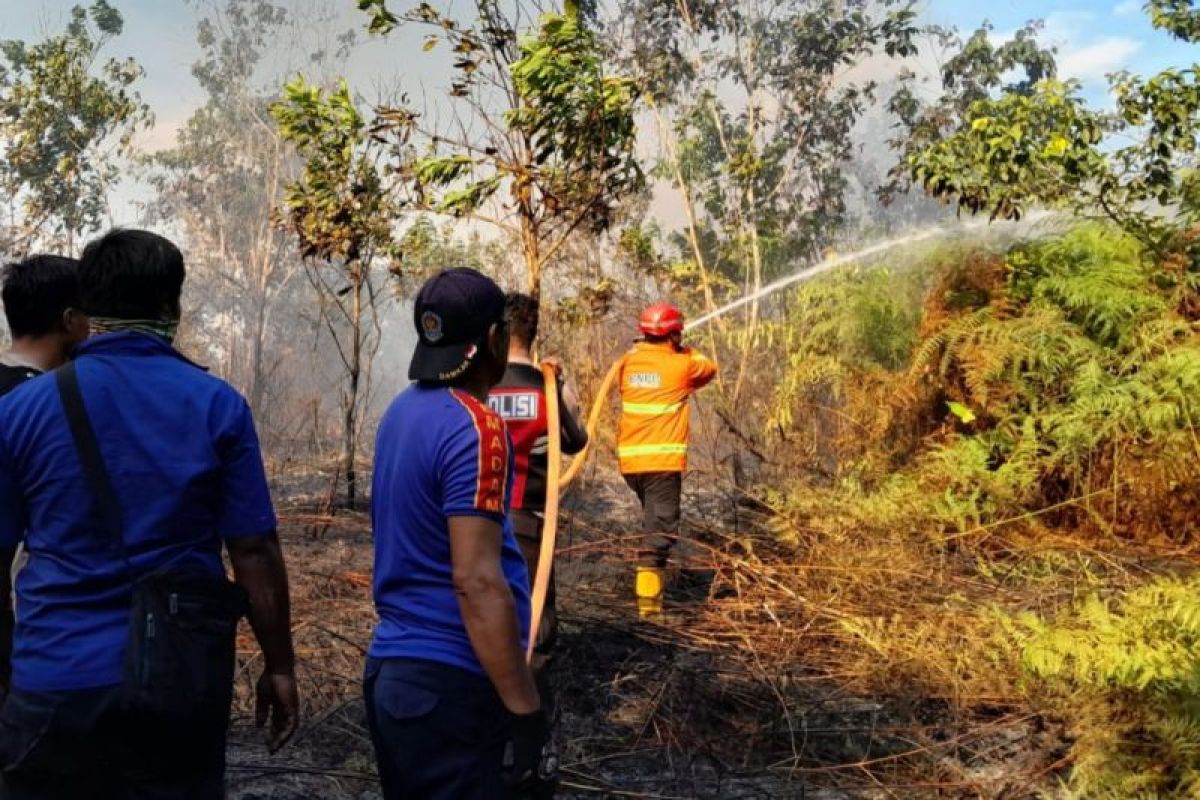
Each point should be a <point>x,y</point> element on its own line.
<point>453,313</point>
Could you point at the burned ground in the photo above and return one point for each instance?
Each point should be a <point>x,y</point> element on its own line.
<point>691,707</point>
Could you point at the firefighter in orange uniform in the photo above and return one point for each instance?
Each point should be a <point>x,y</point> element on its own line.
<point>657,378</point>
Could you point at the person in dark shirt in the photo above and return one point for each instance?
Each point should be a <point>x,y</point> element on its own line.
<point>452,706</point>
<point>41,305</point>
<point>520,399</point>
<point>187,478</point>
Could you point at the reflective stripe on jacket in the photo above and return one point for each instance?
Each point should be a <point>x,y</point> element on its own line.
<point>656,382</point>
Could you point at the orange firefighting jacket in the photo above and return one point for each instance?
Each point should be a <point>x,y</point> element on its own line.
<point>656,381</point>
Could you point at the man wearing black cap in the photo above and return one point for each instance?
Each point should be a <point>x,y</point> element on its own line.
<point>451,703</point>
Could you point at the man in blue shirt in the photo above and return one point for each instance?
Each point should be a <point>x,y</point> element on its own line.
<point>451,702</point>
<point>187,474</point>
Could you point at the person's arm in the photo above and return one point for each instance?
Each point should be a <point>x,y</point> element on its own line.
<point>489,611</point>
<point>574,435</point>
<point>474,469</point>
<point>259,569</point>
<point>701,370</point>
<point>247,524</point>
<point>12,531</point>
<point>7,621</point>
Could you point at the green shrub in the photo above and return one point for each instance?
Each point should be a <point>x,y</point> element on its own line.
<point>1078,363</point>
<point>1041,427</point>
<point>1126,673</point>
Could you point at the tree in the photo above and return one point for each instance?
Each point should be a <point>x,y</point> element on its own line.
<point>1180,18</point>
<point>1043,146</point>
<point>979,69</point>
<point>756,105</point>
<point>540,139</point>
<point>66,121</point>
<point>342,216</point>
<point>221,183</point>
<point>427,248</point>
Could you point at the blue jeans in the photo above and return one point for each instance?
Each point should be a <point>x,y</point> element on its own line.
<point>439,732</point>
<point>80,745</point>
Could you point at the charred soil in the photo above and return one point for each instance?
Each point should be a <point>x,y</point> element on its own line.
<point>708,702</point>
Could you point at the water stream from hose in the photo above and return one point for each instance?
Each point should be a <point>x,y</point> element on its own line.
<point>849,258</point>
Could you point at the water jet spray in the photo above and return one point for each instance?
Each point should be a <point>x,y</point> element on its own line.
<point>842,260</point>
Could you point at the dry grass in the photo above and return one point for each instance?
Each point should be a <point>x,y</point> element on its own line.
<point>332,623</point>
<point>786,666</point>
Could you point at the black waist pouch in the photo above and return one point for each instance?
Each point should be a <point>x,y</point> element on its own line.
<point>182,648</point>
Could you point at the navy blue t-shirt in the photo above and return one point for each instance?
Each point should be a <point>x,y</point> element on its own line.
<point>186,467</point>
<point>440,453</point>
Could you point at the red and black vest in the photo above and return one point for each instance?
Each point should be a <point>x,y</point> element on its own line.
<point>520,399</point>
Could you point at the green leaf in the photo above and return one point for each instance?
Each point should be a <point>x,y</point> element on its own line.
<point>964,414</point>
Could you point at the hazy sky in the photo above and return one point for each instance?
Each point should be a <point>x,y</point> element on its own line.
<point>1094,37</point>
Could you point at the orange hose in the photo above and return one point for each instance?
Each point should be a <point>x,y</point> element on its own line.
<point>592,424</point>
<point>556,483</point>
<point>541,582</point>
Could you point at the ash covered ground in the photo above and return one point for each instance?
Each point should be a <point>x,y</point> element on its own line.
<point>680,708</point>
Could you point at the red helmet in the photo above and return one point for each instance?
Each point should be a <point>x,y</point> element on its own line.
<point>661,319</point>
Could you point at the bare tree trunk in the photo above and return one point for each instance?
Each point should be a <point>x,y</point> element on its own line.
<point>693,231</point>
<point>533,258</point>
<point>265,254</point>
<point>689,205</point>
<point>531,244</point>
<point>750,220</point>
<point>755,286</point>
<point>747,229</point>
<point>257,393</point>
<point>350,410</point>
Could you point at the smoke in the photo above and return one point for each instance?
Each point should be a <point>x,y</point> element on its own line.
<point>397,342</point>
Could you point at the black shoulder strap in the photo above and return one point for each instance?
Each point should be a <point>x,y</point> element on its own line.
<point>88,447</point>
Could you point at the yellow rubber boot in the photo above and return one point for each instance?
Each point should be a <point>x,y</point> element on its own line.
<point>649,589</point>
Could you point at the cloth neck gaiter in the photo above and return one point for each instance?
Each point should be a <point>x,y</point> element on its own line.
<point>162,328</point>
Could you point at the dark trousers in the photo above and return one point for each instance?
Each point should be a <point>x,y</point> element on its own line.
<point>439,732</point>
<point>80,746</point>
<point>528,528</point>
<point>660,494</point>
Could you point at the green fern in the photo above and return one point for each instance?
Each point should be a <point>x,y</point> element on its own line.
<point>1128,671</point>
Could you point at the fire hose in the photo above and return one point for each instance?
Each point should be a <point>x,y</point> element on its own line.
<point>557,482</point>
